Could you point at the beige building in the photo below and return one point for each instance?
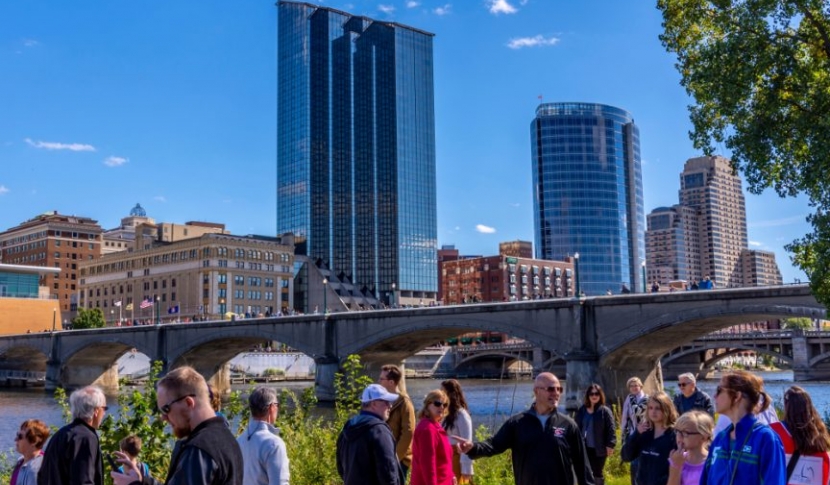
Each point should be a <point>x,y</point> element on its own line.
<point>705,234</point>
<point>122,238</point>
<point>208,276</point>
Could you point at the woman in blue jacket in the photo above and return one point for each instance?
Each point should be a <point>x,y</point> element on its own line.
<point>747,452</point>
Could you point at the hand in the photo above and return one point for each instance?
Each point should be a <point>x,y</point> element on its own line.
<point>463,445</point>
<point>609,451</point>
<point>131,472</point>
<point>643,426</point>
<point>677,457</point>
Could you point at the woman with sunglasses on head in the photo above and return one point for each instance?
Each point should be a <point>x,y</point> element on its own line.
<point>805,439</point>
<point>653,440</point>
<point>457,422</point>
<point>693,430</point>
<point>29,443</point>
<point>431,449</point>
<point>748,452</point>
<point>596,423</point>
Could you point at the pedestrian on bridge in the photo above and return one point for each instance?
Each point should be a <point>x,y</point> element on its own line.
<point>546,444</point>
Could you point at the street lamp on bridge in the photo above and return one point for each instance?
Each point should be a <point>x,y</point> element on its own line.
<point>325,296</point>
<point>576,274</point>
<point>643,266</point>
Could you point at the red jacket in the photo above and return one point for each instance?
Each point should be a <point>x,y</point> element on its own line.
<point>810,469</point>
<point>431,455</point>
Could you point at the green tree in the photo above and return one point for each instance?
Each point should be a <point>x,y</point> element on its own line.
<point>89,318</point>
<point>759,73</point>
<point>803,323</point>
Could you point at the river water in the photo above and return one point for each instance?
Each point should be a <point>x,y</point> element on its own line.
<point>490,401</point>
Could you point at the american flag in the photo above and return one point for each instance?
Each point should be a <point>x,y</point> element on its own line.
<point>146,304</point>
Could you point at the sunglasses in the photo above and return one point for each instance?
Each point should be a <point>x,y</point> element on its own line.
<point>551,388</point>
<point>18,437</point>
<point>593,394</point>
<point>440,404</point>
<point>686,434</point>
<point>166,408</point>
<point>682,384</point>
<point>720,389</point>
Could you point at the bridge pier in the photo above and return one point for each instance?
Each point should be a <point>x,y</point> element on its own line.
<point>580,372</point>
<point>77,376</point>
<point>217,377</point>
<point>324,377</point>
<point>615,374</point>
<point>692,363</point>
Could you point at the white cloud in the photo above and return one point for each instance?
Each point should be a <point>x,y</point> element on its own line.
<point>160,198</point>
<point>457,228</point>
<point>515,204</point>
<point>535,41</point>
<point>500,6</point>
<point>412,4</point>
<point>387,9</point>
<point>51,145</point>
<point>115,161</point>
<point>30,43</point>
<point>3,190</point>
<point>755,243</point>
<point>445,10</point>
<point>485,229</point>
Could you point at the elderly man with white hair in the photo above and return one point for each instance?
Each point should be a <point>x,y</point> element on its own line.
<point>691,397</point>
<point>73,455</point>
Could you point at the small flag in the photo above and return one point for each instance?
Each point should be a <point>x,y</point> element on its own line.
<point>145,304</point>
<point>118,303</point>
<point>173,309</point>
<point>129,307</point>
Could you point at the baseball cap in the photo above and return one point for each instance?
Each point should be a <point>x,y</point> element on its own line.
<point>375,392</point>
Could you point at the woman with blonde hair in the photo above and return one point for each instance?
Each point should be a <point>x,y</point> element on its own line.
<point>693,430</point>
<point>804,436</point>
<point>653,440</point>
<point>747,452</point>
<point>431,449</point>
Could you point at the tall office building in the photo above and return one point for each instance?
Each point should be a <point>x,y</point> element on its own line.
<point>356,151</point>
<point>588,193</point>
<point>705,234</point>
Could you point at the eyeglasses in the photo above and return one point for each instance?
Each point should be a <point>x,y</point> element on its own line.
<point>105,408</point>
<point>551,388</point>
<point>440,404</point>
<point>720,389</point>
<point>686,434</point>
<point>683,384</point>
<point>166,408</point>
<point>593,394</point>
<point>18,437</point>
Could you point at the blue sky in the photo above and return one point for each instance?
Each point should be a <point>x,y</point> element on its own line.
<point>104,104</point>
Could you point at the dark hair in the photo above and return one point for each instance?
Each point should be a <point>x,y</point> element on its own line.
<point>392,372</point>
<point>131,445</point>
<point>804,423</point>
<point>587,400</point>
<point>35,431</point>
<point>457,401</point>
<point>748,384</point>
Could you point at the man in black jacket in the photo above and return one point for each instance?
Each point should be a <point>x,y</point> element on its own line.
<point>366,448</point>
<point>73,455</point>
<point>206,453</point>
<point>547,447</point>
<point>690,397</point>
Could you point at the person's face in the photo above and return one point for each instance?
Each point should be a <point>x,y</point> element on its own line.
<point>98,416</point>
<point>381,408</point>
<point>386,382</point>
<point>593,397</point>
<point>635,388</point>
<point>178,414</point>
<point>686,386</point>
<point>688,438</point>
<point>23,446</point>
<point>435,408</point>
<point>547,392</point>
<point>725,398</point>
<point>655,413</point>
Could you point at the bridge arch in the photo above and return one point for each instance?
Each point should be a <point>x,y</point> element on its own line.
<point>24,357</point>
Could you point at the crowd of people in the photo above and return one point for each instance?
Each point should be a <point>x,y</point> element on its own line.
<point>667,441</point>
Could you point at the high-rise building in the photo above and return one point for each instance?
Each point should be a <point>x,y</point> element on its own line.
<point>705,234</point>
<point>356,152</point>
<point>588,192</point>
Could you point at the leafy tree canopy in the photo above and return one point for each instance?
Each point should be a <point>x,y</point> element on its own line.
<point>759,73</point>
<point>89,318</point>
<point>803,323</point>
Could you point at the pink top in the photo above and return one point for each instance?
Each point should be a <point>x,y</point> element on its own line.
<point>431,455</point>
<point>690,474</point>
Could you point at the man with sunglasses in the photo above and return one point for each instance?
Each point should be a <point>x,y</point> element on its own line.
<point>366,447</point>
<point>547,446</point>
<point>690,397</point>
<point>206,453</point>
<point>73,455</point>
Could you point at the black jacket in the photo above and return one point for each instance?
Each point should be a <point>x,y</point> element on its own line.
<point>366,452</point>
<point>653,468</point>
<point>209,456</point>
<point>552,455</point>
<point>698,400</point>
<point>72,457</point>
<point>605,429</point>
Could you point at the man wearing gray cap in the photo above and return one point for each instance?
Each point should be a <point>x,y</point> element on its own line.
<point>365,448</point>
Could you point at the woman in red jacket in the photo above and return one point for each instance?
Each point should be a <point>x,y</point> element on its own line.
<point>431,450</point>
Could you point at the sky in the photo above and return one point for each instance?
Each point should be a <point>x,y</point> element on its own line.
<point>105,104</point>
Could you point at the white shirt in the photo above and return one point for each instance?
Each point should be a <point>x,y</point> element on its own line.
<point>263,455</point>
<point>463,427</point>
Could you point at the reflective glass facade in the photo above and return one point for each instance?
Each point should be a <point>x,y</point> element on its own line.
<point>19,285</point>
<point>588,192</point>
<point>356,147</point>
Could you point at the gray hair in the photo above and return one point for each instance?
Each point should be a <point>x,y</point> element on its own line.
<point>689,376</point>
<point>260,400</point>
<point>83,402</point>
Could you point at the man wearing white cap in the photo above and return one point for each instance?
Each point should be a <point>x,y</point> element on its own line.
<point>365,447</point>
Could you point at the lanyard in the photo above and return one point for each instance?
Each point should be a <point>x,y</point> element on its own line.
<point>731,452</point>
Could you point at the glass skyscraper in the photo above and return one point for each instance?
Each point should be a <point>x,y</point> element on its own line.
<point>588,193</point>
<point>356,148</point>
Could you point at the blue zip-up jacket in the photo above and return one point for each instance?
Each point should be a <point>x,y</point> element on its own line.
<point>756,457</point>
